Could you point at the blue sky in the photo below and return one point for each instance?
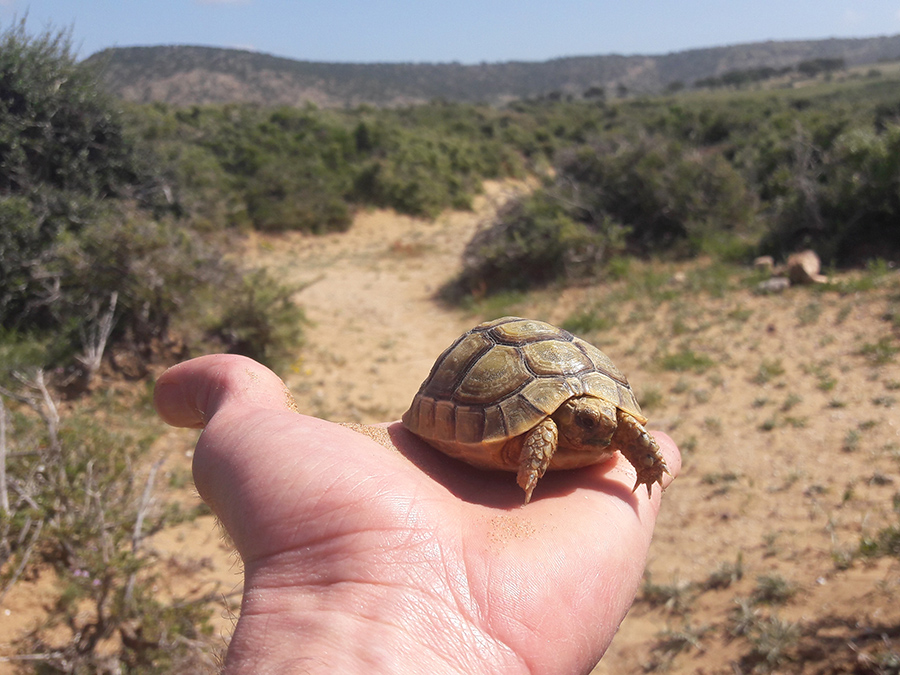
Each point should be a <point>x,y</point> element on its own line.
<point>468,31</point>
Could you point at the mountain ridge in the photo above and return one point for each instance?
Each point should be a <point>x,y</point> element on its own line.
<point>190,75</point>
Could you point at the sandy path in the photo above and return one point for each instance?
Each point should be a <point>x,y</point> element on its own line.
<point>369,296</point>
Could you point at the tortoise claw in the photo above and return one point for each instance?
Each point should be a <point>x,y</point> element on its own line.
<point>638,482</point>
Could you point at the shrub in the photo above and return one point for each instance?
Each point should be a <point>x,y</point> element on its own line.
<point>535,240</point>
<point>76,501</point>
<point>261,321</point>
<point>671,197</point>
<point>842,200</point>
<point>646,196</point>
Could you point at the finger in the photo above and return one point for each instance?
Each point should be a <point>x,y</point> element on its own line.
<point>189,394</point>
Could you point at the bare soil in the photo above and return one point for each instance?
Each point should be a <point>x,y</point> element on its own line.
<point>786,416</point>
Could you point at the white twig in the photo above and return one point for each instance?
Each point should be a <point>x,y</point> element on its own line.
<point>96,337</point>
<point>24,561</point>
<point>137,534</point>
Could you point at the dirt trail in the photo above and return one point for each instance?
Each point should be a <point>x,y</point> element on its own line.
<point>375,328</point>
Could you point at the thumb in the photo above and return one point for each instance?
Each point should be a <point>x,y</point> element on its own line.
<point>189,394</point>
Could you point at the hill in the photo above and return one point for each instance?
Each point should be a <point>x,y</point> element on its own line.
<point>187,75</point>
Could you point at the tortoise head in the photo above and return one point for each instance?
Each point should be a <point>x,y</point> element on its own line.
<point>585,423</point>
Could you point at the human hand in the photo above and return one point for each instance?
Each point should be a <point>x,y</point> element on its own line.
<point>361,558</point>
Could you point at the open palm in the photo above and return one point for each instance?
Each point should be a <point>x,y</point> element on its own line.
<point>362,557</point>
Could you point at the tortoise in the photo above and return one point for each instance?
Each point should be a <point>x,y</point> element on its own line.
<point>525,396</point>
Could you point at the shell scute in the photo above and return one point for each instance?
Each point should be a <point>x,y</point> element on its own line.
<point>546,394</point>
<point>516,331</point>
<point>554,358</point>
<point>495,375</point>
<point>519,415</point>
<point>454,363</point>
<point>445,420</point>
<point>470,424</point>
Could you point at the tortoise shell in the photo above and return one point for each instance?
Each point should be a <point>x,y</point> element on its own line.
<point>502,378</point>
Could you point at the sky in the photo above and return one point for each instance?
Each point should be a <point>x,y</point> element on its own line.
<point>467,31</point>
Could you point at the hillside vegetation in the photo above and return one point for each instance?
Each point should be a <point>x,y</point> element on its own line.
<point>185,75</point>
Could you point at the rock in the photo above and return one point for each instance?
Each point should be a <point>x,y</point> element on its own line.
<point>774,285</point>
<point>764,263</point>
<point>803,268</point>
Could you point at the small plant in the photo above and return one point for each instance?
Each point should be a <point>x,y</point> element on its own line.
<point>740,314</point>
<point>588,322</point>
<point>879,479</point>
<point>689,445</point>
<point>675,597</point>
<point>768,424</point>
<point>682,386</point>
<point>686,360</point>
<point>768,370</point>
<point>826,383</point>
<point>842,558</point>
<point>702,395</point>
<point>718,478</point>
<point>851,441</point>
<point>809,314</point>
<point>772,639</point>
<point>770,544</point>
<point>886,542</point>
<point>772,589</point>
<point>651,398</point>
<point>744,617</point>
<point>790,402</point>
<point>884,401</point>
<point>725,575</point>
<point>672,642</point>
<point>881,352</point>
<point>713,425</point>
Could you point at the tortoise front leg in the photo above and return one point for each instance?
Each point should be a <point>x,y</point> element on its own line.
<point>537,450</point>
<point>639,448</point>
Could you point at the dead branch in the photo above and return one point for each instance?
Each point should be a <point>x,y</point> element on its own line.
<point>95,338</point>
<point>24,561</point>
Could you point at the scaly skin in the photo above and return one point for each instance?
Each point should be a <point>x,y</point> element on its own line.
<point>537,450</point>
<point>552,435</point>
<point>639,448</point>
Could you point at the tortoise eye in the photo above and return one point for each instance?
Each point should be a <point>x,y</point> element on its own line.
<point>587,419</point>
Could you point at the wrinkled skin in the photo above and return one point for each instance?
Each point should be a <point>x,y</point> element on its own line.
<point>360,558</point>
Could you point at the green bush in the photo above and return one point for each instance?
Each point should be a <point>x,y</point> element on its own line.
<point>842,200</point>
<point>671,197</point>
<point>85,237</point>
<point>535,240</point>
<point>76,503</point>
<point>261,321</point>
<point>649,196</point>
